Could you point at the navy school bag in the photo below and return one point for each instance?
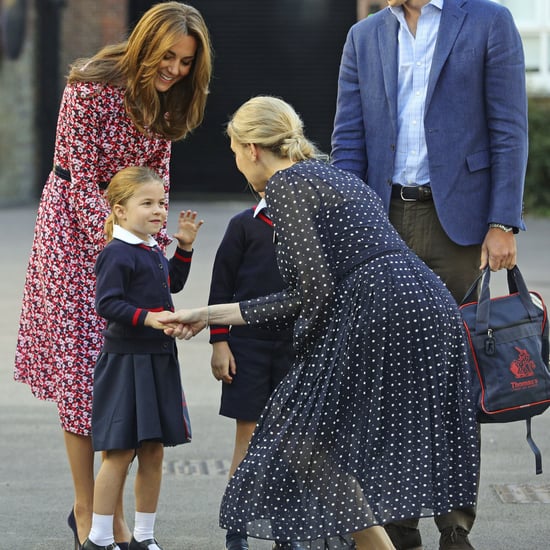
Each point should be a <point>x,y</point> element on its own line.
<point>508,352</point>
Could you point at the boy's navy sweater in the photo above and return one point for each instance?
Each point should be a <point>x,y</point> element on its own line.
<point>133,279</point>
<point>245,267</point>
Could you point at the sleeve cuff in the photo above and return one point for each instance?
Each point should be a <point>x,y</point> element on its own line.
<point>183,255</point>
<point>218,333</point>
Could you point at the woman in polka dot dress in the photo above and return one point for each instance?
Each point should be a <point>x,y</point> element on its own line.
<point>122,107</point>
<point>374,421</point>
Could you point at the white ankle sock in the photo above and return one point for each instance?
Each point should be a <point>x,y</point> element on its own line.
<point>144,528</point>
<point>101,532</point>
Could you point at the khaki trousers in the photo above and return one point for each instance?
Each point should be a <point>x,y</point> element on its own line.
<point>458,267</point>
<point>419,226</point>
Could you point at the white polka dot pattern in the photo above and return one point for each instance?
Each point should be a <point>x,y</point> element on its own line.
<point>374,422</point>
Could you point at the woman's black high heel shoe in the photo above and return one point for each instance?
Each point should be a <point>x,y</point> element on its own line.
<point>71,522</point>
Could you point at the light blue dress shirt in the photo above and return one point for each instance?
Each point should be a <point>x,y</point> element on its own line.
<point>415,60</point>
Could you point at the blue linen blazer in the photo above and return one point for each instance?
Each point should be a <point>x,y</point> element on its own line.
<point>475,114</point>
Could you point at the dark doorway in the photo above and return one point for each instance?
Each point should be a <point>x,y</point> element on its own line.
<point>48,28</point>
<point>287,48</point>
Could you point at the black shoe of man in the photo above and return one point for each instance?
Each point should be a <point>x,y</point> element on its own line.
<point>454,538</point>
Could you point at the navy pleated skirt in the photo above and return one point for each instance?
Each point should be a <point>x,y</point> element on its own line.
<point>138,397</point>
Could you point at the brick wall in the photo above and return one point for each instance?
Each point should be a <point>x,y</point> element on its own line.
<point>86,26</point>
<point>90,24</point>
<point>17,145</point>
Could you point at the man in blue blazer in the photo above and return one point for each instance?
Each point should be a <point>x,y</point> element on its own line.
<point>432,114</point>
<point>474,120</point>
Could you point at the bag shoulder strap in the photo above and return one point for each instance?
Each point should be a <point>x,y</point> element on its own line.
<point>534,448</point>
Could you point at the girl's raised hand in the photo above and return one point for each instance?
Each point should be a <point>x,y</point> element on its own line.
<point>188,227</point>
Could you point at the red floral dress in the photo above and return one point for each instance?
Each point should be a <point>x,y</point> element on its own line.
<point>60,332</point>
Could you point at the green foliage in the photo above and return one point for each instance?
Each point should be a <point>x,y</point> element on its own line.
<point>537,180</point>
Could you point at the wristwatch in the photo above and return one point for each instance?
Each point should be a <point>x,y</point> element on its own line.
<point>505,228</point>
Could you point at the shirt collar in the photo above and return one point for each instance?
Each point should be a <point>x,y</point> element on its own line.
<point>124,235</point>
<point>262,205</point>
<point>399,9</point>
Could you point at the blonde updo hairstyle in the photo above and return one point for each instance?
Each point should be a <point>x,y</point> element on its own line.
<point>122,187</point>
<point>273,124</point>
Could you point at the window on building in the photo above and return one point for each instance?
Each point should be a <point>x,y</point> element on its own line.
<point>532,18</point>
<point>523,12</point>
<point>532,50</point>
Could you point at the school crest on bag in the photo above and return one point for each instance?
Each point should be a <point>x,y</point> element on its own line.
<point>522,367</point>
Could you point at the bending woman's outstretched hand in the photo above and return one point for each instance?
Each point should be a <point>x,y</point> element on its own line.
<point>186,323</point>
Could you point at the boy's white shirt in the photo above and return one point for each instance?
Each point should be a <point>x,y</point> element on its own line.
<point>259,207</point>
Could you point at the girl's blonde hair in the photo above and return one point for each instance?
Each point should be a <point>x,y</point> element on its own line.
<point>122,187</point>
<point>133,65</point>
<point>272,124</point>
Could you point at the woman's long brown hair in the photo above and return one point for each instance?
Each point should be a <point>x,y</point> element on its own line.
<point>133,65</point>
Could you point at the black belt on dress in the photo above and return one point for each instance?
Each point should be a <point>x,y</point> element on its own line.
<point>420,193</point>
<point>65,174</point>
<point>62,173</point>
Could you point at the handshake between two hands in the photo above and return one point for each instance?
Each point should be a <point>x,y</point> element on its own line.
<point>182,324</point>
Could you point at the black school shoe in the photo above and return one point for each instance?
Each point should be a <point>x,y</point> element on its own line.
<point>143,545</point>
<point>89,545</point>
<point>454,538</point>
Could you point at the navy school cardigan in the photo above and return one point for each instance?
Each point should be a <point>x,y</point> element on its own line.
<point>131,280</point>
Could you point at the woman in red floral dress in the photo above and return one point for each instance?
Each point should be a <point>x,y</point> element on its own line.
<point>122,107</point>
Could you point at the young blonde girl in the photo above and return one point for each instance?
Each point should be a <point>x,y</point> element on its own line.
<point>137,406</point>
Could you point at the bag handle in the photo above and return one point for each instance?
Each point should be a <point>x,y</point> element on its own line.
<point>516,283</point>
<point>469,296</point>
<point>473,290</point>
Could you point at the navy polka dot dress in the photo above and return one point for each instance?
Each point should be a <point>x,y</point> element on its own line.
<point>374,422</point>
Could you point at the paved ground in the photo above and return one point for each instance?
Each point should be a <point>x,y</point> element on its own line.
<point>35,486</point>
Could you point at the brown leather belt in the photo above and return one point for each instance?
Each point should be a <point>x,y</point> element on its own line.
<point>420,193</point>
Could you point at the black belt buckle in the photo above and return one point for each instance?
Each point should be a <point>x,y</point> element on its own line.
<point>413,193</point>
<point>404,190</point>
